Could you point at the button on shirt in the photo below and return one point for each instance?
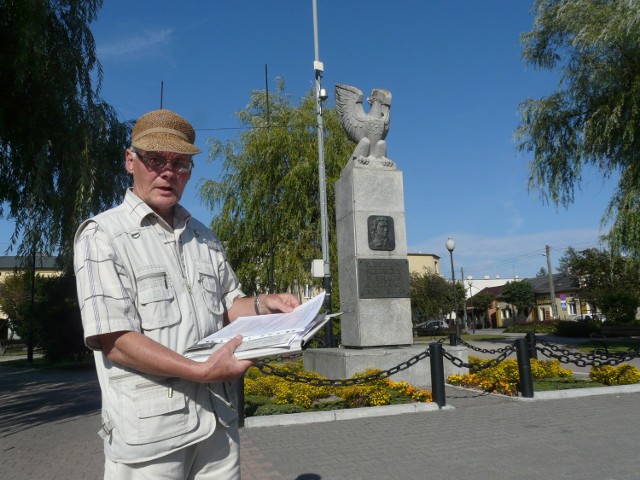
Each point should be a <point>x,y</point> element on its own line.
<point>136,273</point>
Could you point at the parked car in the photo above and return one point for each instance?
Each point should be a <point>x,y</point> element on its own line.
<point>432,327</point>
<point>588,318</point>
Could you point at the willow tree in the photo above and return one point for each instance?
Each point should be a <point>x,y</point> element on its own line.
<point>267,202</point>
<point>592,119</point>
<point>61,145</point>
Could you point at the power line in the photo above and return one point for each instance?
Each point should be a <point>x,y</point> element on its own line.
<point>528,255</point>
<point>240,128</point>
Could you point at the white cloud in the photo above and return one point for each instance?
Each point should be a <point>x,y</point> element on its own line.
<point>512,217</point>
<point>508,255</point>
<point>141,44</point>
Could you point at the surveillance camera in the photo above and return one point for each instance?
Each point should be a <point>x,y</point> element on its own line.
<point>323,95</point>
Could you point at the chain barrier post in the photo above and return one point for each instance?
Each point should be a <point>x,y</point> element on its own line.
<point>524,368</point>
<point>453,340</point>
<point>437,374</point>
<point>531,340</point>
<point>240,386</point>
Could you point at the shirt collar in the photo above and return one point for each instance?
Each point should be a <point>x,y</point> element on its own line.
<point>140,210</point>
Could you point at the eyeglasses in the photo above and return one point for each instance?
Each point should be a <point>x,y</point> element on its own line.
<point>157,163</point>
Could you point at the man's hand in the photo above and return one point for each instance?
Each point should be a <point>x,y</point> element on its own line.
<point>278,302</point>
<point>223,364</point>
<point>267,303</point>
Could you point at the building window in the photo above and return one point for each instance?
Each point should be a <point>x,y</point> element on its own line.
<point>572,308</point>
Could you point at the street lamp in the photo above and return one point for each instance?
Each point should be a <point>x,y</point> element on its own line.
<point>450,244</point>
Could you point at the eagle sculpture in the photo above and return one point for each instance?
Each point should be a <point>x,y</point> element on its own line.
<point>367,130</point>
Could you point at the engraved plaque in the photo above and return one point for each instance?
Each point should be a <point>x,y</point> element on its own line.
<point>383,278</point>
<point>381,233</point>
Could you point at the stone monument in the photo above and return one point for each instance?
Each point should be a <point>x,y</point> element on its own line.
<point>373,269</point>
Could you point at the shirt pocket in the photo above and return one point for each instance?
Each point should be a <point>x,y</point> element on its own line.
<point>210,287</point>
<point>157,302</point>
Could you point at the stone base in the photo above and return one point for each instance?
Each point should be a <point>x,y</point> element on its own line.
<point>334,363</point>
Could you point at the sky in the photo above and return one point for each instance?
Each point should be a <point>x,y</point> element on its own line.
<point>455,72</point>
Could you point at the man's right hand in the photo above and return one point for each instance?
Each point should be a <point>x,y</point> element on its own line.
<point>223,364</point>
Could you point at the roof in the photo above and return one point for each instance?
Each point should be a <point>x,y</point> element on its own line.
<point>562,282</point>
<point>420,254</point>
<point>495,291</point>
<point>42,262</point>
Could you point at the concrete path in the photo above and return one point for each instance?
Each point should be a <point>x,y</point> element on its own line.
<point>49,420</point>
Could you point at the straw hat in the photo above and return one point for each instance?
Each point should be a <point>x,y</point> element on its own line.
<point>164,131</point>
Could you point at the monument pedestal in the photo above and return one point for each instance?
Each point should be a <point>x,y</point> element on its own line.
<point>373,268</point>
<point>334,363</point>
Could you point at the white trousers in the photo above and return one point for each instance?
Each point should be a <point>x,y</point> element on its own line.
<point>217,457</point>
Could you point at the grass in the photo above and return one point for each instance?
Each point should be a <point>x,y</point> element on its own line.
<point>613,346</point>
<point>550,384</point>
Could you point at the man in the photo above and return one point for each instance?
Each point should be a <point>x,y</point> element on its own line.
<point>152,281</point>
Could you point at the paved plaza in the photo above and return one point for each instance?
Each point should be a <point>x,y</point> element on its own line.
<point>49,420</point>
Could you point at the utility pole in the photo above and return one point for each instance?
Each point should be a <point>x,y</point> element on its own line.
<point>552,288</point>
<point>465,320</point>
<point>321,96</point>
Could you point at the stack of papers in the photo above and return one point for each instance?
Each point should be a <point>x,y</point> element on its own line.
<point>266,335</point>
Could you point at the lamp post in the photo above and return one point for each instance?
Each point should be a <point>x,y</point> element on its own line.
<point>451,245</point>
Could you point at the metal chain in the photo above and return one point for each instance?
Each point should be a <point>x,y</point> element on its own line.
<point>549,350</point>
<point>342,382</point>
<point>585,360</point>
<point>485,350</point>
<point>492,363</point>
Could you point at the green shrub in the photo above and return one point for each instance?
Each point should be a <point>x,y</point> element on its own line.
<point>272,409</point>
<point>339,404</point>
<point>535,327</point>
<point>253,402</point>
<point>578,329</point>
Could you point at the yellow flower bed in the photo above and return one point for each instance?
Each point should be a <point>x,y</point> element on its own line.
<point>624,374</point>
<point>373,393</point>
<point>504,377</point>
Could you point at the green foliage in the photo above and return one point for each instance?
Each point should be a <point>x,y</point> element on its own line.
<point>608,281</point>
<point>432,296</point>
<point>54,316</point>
<point>534,327</point>
<point>275,409</point>
<point>519,294</point>
<point>624,374</point>
<point>592,118</point>
<point>57,315</point>
<point>578,329</point>
<point>620,306</point>
<point>271,394</point>
<point>481,301</point>
<point>267,204</point>
<point>15,299</point>
<point>61,146</point>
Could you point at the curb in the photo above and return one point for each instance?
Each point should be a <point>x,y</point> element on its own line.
<point>584,392</point>
<point>337,415</point>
